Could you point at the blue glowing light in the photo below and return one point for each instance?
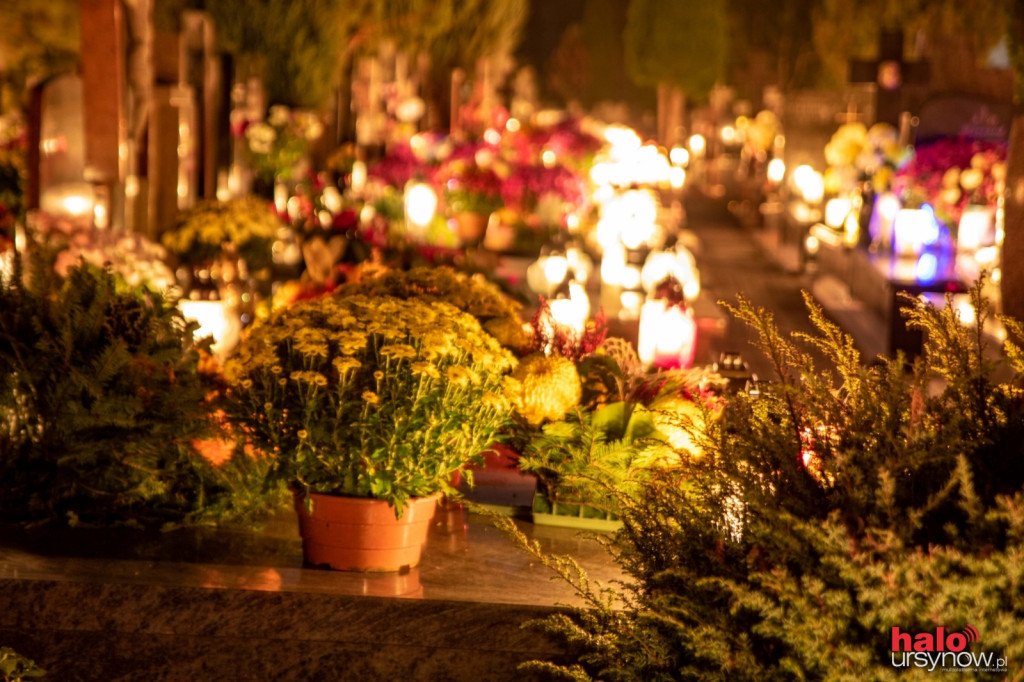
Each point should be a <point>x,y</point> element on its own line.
<point>931,235</point>
<point>927,268</point>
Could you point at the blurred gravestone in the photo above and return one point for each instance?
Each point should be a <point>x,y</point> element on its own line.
<point>60,174</point>
<point>971,116</point>
<point>166,121</point>
<point>202,71</point>
<point>189,130</point>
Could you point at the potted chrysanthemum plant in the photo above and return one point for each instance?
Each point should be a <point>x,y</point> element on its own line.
<point>472,187</point>
<point>220,242</point>
<point>369,402</point>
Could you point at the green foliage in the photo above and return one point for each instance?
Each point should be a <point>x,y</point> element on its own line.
<point>14,667</point>
<point>299,45</point>
<point>681,44</point>
<point>295,45</point>
<point>576,460</point>
<point>484,28</point>
<point>843,30</point>
<point>602,41</point>
<point>782,31</point>
<point>837,504</point>
<point>100,395</point>
<point>13,174</point>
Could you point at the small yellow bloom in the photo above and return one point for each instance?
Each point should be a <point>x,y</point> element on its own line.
<point>303,434</point>
<point>370,397</point>
<point>349,341</point>
<point>461,376</point>
<point>398,351</point>
<point>247,384</point>
<point>428,368</point>
<point>309,377</point>
<point>312,349</point>
<point>388,306</point>
<point>378,375</point>
<point>492,400</point>
<point>392,332</point>
<point>344,364</point>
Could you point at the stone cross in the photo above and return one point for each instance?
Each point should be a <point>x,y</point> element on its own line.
<point>889,73</point>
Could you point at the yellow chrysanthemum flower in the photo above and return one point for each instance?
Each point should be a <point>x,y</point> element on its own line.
<point>458,375</point>
<point>428,368</point>
<point>349,341</point>
<point>550,387</point>
<point>398,351</point>
<point>509,332</point>
<point>344,364</point>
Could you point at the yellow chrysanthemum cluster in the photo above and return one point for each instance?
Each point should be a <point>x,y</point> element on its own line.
<point>509,332</point>
<point>546,388</point>
<point>347,333</point>
<point>473,294</point>
<point>204,229</point>
<point>855,151</point>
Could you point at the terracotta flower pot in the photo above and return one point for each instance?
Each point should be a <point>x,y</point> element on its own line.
<point>362,534</point>
<point>470,227</point>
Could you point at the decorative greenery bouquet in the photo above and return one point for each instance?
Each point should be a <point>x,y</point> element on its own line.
<point>370,396</point>
<point>13,142</point>
<point>627,425</point>
<point>212,229</point>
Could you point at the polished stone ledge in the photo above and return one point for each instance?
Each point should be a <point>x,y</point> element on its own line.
<point>204,604</point>
<point>465,559</point>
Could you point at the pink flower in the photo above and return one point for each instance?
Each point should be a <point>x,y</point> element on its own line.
<point>921,179</point>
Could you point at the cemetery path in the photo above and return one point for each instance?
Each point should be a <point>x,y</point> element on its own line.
<point>732,262</point>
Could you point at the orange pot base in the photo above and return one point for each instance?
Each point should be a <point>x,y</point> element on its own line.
<point>360,534</point>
